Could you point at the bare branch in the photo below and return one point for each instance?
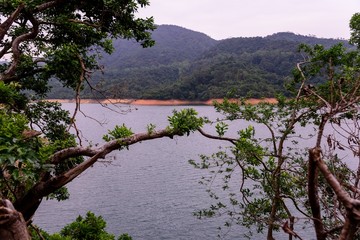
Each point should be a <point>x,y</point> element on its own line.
<point>16,43</point>
<point>343,196</point>
<point>352,205</point>
<point>297,206</point>
<point>298,65</point>
<point>4,27</point>
<point>232,140</point>
<point>290,231</point>
<point>78,98</point>
<point>47,5</point>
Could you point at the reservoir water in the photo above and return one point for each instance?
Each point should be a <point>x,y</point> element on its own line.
<point>149,191</point>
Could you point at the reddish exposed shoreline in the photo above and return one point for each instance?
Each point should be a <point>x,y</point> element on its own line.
<point>154,102</point>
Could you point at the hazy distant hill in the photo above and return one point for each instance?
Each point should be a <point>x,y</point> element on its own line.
<point>185,64</point>
<point>173,44</point>
<point>288,36</point>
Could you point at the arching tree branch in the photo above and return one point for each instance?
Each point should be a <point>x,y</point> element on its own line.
<point>30,202</point>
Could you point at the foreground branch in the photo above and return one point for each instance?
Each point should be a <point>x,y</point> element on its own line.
<point>30,202</point>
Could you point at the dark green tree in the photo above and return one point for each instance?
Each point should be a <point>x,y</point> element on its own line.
<point>41,41</point>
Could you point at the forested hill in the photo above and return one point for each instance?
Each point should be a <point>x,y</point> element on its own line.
<point>185,64</point>
<point>173,44</point>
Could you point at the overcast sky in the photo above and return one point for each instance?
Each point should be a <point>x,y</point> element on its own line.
<point>222,19</point>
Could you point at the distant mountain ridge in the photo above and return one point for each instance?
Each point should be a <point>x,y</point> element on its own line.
<point>172,44</point>
<point>186,64</point>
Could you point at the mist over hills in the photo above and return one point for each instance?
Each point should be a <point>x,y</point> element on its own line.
<point>173,44</point>
<point>185,64</point>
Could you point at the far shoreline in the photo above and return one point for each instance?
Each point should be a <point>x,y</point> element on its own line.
<point>156,102</point>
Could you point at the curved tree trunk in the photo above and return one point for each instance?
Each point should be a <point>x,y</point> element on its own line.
<point>12,223</point>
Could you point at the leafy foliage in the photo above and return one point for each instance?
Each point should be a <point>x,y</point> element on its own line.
<point>25,155</point>
<point>19,156</point>
<point>90,227</point>
<point>50,118</point>
<point>118,133</point>
<point>45,41</point>
<point>65,39</point>
<point>150,128</point>
<point>10,95</point>
<point>184,121</point>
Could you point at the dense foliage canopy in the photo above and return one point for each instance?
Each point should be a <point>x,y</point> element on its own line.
<point>42,41</point>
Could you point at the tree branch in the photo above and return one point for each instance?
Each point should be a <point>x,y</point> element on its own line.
<point>313,195</point>
<point>30,202</point>
<point>4,27</point>
<point>352,218</point>
<point>342,195</point>
<point>232,140</point>
<point>47,5</point>
<point>16,43</point>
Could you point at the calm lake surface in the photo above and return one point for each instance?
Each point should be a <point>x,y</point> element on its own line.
<point>149,191</point>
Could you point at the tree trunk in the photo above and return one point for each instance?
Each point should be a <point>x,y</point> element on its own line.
<point>349,229</point>
<point>313,195</point>
<point>12,223</point>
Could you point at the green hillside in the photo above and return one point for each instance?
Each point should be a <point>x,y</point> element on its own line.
<point>185,64</point>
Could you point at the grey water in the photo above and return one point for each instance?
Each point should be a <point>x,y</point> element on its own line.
<point>149,191</point>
